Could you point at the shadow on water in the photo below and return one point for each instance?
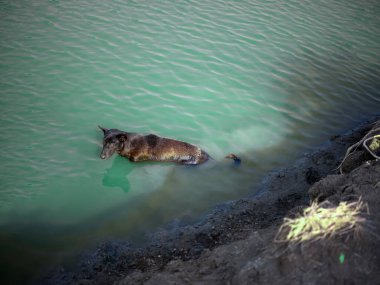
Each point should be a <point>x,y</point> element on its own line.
<point>116,175</point>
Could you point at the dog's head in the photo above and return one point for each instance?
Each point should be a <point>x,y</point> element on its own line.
<point>113,141</point>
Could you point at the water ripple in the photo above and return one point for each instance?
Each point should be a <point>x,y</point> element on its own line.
<point>266,79</point>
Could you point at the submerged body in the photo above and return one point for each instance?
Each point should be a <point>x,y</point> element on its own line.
<point>137,147</point>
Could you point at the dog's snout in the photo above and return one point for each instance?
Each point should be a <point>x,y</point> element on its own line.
<point>102,156</point>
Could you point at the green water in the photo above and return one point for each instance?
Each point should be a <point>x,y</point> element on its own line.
<point>267,80</point>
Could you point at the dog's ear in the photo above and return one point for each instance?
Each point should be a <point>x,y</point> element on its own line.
<point>122,138</point>
<point>103,129</point>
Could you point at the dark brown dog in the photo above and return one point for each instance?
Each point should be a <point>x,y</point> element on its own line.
<point>139,147</point>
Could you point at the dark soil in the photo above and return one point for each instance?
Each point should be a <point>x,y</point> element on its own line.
<point>235,243</point>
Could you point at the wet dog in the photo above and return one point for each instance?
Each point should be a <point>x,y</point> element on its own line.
<point>137,147</point>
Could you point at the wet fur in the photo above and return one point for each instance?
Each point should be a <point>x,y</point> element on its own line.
<point>137,147</point>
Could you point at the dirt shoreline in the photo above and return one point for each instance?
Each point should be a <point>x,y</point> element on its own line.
<point>234,243</point>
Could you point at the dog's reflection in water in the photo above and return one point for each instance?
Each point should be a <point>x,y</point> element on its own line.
<point>116,175</point>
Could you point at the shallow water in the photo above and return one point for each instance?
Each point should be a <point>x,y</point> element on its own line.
<point>267,80</point>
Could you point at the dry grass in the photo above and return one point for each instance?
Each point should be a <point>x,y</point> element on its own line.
<point>374,145</point>
<point>320,221</point>
<point>372,136</point>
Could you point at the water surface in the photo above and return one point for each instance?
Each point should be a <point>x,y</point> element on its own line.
<point>267,80</point>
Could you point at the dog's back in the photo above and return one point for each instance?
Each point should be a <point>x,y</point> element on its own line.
<point>155,148</point>
<point>139,147</point>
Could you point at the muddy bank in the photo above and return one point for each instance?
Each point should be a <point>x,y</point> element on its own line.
<point>234,243</point>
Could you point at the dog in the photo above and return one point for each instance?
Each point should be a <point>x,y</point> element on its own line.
<point>137,147</point>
